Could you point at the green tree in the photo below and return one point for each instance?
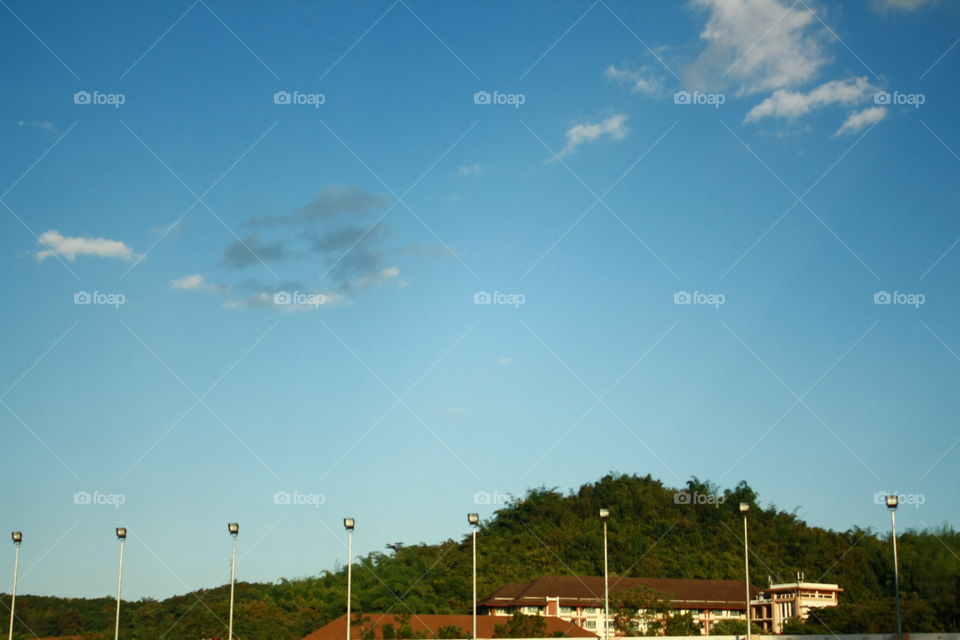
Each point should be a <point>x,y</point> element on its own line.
<point>450,632</point>
<point>795,626</point>
<point>730,627</point>
<point>681,624</point>
<point>639,611</point>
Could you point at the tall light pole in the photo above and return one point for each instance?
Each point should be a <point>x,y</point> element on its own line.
<point>604,515</point>
<point>349,524</point>
<point>474,520</point>
<point>17,539</point>
<point>234,529</point>
<point>892,502</point>
<point>745,509</point>
<point>121,536</point>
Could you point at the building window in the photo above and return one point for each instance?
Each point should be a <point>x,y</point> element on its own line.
<point>590,624</point>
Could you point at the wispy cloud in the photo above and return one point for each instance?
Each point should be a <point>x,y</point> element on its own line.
<point>469,170</point>
<point>614,128</point>
<point>45,125</point>
<point>384,275</point>
<point>70,247</point>
<point>638,81</point>
<point>196,282</point>
<point>784,103</point>
<point>860,120</point>
<point>288,301</point>
<point>900,5</point>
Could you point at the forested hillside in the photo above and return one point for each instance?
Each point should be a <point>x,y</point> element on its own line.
<point>548,532</point>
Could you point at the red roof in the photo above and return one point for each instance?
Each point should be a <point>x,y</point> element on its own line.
<point>587,591</point>
<point>430,623</point>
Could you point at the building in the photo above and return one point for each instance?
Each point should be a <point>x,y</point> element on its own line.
<point>427,625</point>
<point>779,602</point>
<point>580,599</point>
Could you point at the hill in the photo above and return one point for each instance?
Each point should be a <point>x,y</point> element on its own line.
<point>548,532</point>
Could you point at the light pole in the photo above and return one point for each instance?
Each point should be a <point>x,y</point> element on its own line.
<point>349,524</point>
<point>604,515</point>
<point>474,520</point>
<point>17,539</point>
<point>745,509</point>
<point>892,502</point>
<point>234,529</point>
<point>121,536</point>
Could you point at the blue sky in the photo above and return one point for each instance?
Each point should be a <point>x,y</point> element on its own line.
<point>389,260</point>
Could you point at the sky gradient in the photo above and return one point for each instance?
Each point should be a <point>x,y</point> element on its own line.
<point>280,264</point>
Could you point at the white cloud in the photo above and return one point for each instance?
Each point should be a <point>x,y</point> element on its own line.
<point>470,170</point>
<point>792,104</point>
<point>46,125</point>
<point>71,247</point>
<point>195,282</point>
<point>859,120</point>
<point>614,127</point>
<point>902,5</point>
<point>640,81</point>
<point>381,276</point>
<point>504,361</point>
<point>175,228</point>
<point>297,301</point>
<point>762,45</point>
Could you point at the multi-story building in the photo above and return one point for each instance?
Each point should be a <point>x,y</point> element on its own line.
<point>580,599</point>
<point>778,602</point>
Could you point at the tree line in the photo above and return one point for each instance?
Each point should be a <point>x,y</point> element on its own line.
<point>654,531</point>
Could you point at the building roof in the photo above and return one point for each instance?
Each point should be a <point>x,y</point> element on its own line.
<point>430,623</point>
<point>813,586</point>
<point>588,591</point>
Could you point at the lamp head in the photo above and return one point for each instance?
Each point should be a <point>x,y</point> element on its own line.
<point>473,518</point>
<point>604,514</point>
<point>892,502</point>
<point>349,524</point>
<point>744,507</point>
<point>233,528</point>
<point>17,537</point>
<point>121,533</point>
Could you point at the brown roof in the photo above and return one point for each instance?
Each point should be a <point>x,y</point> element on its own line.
<point>336,630</point>
<point>588,591</point>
